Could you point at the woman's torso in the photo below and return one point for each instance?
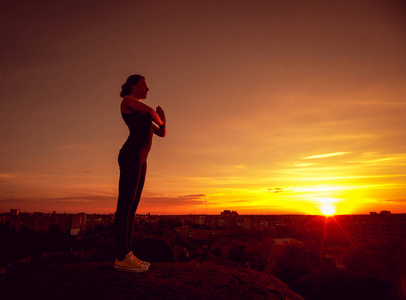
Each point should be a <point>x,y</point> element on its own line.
<point>139,140</point>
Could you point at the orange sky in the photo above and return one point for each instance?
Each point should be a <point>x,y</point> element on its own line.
<point>273,107</point>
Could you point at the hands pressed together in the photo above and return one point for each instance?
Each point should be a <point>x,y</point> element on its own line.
<point>161,114</point>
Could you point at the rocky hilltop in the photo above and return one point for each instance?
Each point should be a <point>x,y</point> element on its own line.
<point>165,280</point>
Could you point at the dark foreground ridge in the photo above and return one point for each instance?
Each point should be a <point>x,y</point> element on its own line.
<point>188,280</point>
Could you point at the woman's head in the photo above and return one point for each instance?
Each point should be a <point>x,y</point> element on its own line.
<point>132,82</point>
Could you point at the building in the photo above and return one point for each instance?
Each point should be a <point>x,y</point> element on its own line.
<point>39,221</point>
<point>44,222</point>
<point>78,224</point>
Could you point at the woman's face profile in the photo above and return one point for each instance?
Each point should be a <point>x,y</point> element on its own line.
<point>140,90</point>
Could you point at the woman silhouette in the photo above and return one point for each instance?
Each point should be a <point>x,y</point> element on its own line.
<point>143,122</point>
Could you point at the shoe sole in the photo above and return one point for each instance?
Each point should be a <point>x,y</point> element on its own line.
<point>130,270</point>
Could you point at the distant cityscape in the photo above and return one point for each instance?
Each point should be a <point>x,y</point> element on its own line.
<point>289,246</point>
<point>357,228</point>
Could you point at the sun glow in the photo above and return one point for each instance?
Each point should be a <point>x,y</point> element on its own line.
<point>328,209</point>
<point>327,206</point>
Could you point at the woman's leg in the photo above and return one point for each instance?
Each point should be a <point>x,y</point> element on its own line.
<point>130,174</point>
<point>134,207</point>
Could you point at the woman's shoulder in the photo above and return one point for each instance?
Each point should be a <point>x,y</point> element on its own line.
<point>130,104</point>
<point>124,105</point>
<point>128,99</point>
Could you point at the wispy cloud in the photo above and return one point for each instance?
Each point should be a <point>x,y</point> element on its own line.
<point>326,155</point>
<point>240,167</point>
<point>322,178</point>
<point>74,204</point>
<point>88,171</point>
<point>5,175</point>
<point>400,201</point>
<point>176,204</point>
<point>304,164</point>
<point>381,159</point>
<point>278,190</point>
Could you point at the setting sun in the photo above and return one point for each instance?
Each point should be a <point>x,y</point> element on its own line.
<point>327,209</point>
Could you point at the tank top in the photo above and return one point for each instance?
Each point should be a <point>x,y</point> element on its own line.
<point>139,140</point>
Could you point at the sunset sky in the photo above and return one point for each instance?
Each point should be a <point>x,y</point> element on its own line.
<point>273,107</point>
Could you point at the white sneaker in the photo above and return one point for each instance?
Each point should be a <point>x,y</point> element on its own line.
<point>130,264</point>
<point>139,260</point>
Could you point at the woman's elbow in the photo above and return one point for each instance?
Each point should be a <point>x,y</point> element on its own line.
<point>163,132</point>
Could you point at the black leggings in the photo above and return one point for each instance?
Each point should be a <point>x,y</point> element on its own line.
<point>132,177</point>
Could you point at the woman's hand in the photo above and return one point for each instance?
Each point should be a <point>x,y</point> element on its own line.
<point>161,130</point>
<point>161,114</point>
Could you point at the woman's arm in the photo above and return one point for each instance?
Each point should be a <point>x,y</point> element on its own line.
<point>159,131</point>
<point>130,104</point>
